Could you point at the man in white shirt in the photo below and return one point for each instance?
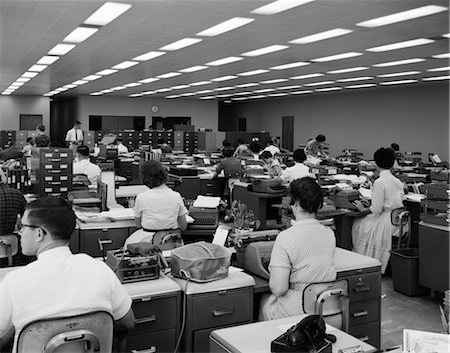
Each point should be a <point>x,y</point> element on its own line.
<point>121,148</point>
<point>272,146</point>
<point>84,166</point>
<point>74,136</point>
<point>298,170</point>
<point>58,283</point>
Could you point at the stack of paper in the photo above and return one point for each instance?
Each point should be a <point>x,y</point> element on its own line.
<point>206,201</point>
<point>118,214</point>
<point>425,342</point>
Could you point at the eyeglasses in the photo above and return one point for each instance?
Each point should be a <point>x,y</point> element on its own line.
<point>20,226</point>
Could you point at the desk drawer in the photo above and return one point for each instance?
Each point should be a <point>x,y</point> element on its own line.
<point>154,314</point>
<point>114,239</point>
<point>222,308</point>
<point>162,341</point>
<point>364,286</point>
<point>364,312</point>
<point>369,333</point>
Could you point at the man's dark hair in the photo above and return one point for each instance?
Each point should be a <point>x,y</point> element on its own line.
<point>395,147</point>
<point>299,155</point>
<point>255,147</point>
<point>226,143</point>
<point>228,151</point>
<point>83,150</point>
<point>29,139</point>
<point>40,127</point>
<point>119,139</point>
<point>265,155</point>
<point>384,157</point>
<point>320,138</point>
<point>308,193</point>
<point>240,141</point>
<point>53,214</point>
<point>77,123</point>
<point>153,173</point>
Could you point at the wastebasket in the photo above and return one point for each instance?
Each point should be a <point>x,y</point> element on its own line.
<point>405,271</point>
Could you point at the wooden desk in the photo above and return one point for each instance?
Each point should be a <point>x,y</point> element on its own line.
<point>257,337</point>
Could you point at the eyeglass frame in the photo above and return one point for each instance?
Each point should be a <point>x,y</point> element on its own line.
<point>21,225</point>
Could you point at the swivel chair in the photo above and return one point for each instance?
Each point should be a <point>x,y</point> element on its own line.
<point>329,300</point>
<point>90,332</point>
<point>9,245</point>
<point>401,217</point>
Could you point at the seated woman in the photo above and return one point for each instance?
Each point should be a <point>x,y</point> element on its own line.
<point>159,207</point>
<point>271,164</point>
<point>302,254</point>
<point>372,235</point>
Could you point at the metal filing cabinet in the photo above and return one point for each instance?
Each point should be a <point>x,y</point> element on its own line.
<point>178,143</point>
<point>51,171</point>
<point>216,304</point>
<point>190,142</point>
<point>89,138</point>
<point>141,138</point>
<point>127,137</point>
<point>21,139</point>
<point>98,136</point>
<point>7,136</point>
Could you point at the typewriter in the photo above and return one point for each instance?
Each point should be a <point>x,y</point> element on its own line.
<point>268,186</point>
<point>204,217</point>
<point>133,268</point>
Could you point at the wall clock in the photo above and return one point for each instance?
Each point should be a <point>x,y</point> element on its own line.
<point>155,109</point>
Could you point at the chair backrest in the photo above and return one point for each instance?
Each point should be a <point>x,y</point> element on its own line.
<point>9,245</point>
<point>330,300</point>
<point>401,217</point>
<point>91,332</point>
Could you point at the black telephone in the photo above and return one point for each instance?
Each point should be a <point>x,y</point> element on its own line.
<point>306,336</point>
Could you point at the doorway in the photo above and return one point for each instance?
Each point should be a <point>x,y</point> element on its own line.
<point>287,134</point>
<point>242,124</point>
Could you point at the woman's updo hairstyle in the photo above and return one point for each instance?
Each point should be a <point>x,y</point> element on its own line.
<point>308,193</point>
<point>384,158</point>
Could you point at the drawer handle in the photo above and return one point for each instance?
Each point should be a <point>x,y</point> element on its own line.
<point>364,338</point>
<point>56,159</point>
<point>360,313</point>
<point>143,320</point>
<point>103,242</point>
<point>217,313</point>
<point>152,349</point>
<point>146,299</point>
<point>361,286</point>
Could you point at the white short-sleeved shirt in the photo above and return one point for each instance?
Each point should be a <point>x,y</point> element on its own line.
<point>121,148</point>
<point>159,208</point>
<point>59,283</point>
<point>91,170</point>
<point>272,149</point>
<point>74,135</point>
<point>297,171</point>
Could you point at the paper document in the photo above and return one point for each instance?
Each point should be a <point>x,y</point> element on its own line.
<point>367,193</point>
<point>206,201</point>
<point>425,342</point>
<point>220,236</point>
<point>118,213</point>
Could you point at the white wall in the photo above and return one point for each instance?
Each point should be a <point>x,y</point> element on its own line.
<point>12,106</point>
<point>204,114</point>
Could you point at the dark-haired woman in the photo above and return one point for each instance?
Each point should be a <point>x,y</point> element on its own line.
<point>157,208</point>
<point>372,235</point>
<point>302,254</point>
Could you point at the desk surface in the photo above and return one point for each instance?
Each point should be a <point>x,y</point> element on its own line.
<point>257,337</point>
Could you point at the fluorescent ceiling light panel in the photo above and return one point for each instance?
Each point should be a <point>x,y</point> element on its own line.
<point>224,78</point>
<point>161,90</point>
<point>321,36</point>
<point>169,75</point>
<point>47,60</point>
<point>397,82</point>
<point>172,96</point>
<point>301,77</point>
<point>182,43</point>
<point>107,91</point>
<point>328,89</point>
<point>289,66</point>
<point>239,99</point>
<point>400,62</point>
<point>362,86</point>
<point>401,45</point>
<point>319,83</point>
<point>226,26</point>
<point>37,68</point>
<point>148,92</point>
<point>132,84</point>
<point>148,80</point>
<point>256,97</point>
<point>242,93</point>
<point>16,84</point>
<point>61,49</point>
<point>135,95</point>
<point>223,89</point>
<point>277,94</point>
<point>337,57</point>
<point>180,86</point>
<point>70,86</point>
<point>106,72</point>
<point>350,69</point>
<point>204,91</point>
<point>352,79</point>
<point>80,34</point>
<point>23,79</point>
<point>405,73</point>
<point>125,65</point>
<point>29,74</point>
<point>446,35</point>
<point>277,80</point>
<point>118,88</point>
<point>199,83</point>
<point>264,90</point>
<point>250,84</point>
<point>148,56</point>
<point>265,50</point>
<point>107,13</point>
<point>253,72</point>
<point>440,69</point>
<point>436,78</point>
<point>442,56</point>
<point>223,95</point>
<point>289,87</point>
<point>402,16</point>
<point>279,6</point>
<point>228,60</point>
<point>91,77</point>
<point>207,97</point>
<point>95,94</point>
<point>194,68</point>
<point>80,82</point>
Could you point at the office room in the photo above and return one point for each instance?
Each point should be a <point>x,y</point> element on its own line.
<point>144,128</point>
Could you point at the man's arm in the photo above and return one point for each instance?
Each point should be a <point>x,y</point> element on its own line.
<point>126,322</point>
<point>6,340</point>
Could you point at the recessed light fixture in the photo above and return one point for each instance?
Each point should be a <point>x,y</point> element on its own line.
<point>400,62</point>
<point>106,72</point>
<point>187,94</point>
<point>145,93</point>
<point>180,86</point>
<point>172,96</point>
<point>91,77</point>
<point>319,83</point>
<point>446,35</point>
<point>23,79</point>
<point>301,77</point>
<point>362,86</point>
<point>350,69</point>
<point>148,80</point>
<point>276,80</point>
<point>265,50</point>
<point>401,45</point>
<point>442,56</point>
<point>70,86</point>
<point>281,94</point>
<point>242,93</point>
<point>148,56</point>
<point>37,68</point>
<point>228,60</point>
<point>124,65</point>
<point>204,91</point>
<point>182,43</point>
<point>226,26</point>
<point>194,68</point>
<point>47,60</point>
<point>279,6</point>
<point>289,87</point>
<point>132,84</point>
<point>257,97</point>
<point>223,89</point>
<point>405,73</point>
<point>224,78</point>
<point>397,82</point>
<point>162,90</point>
<point>321,36</point>
<point>223,95</point>
<point>29,74</point>
<point>118,88</point>
<point>108,12</point>
<point>199,83</point>
<point>250,84</point>
<point>80,82</point>
<point>289,66</point>
<point>107,91</point>
<point>61,49</point>
<point>207,97</point>
<point>447,68</point>
<point>253,72</point>
<point>135,95</point>
<point>16,84</point>
<point>169,75</point>
<point>80,34</point>
<point>352,79</point>
<point>264,90</point>
<point>239,99</point>
<point>402,16</point>
<point>436,78</point>
<point>95,94</point>
<point>328,89</point>
<point>337,57</point>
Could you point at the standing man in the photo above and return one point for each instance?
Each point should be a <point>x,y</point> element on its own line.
<point>74,136</point>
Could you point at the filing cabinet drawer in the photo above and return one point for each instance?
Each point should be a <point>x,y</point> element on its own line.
<point>364,286</point>
<point>162,341</point>
<point>369,333</point>
<point>55,189</point>
<point>154,314</point>
<point>64,166</point>
<point>56,177</point>
<point>221,308</point>
<point>114,238</point>
<point>364,311</point>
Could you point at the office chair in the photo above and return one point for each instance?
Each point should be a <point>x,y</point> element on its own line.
<point>401,217</point>
<point>329,300</point>
<point>90,332</point>
<point>9,245</point>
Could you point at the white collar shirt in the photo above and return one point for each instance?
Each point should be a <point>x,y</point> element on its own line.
<point>122,149</point>
<point>387,193</point>
<point>91,170</point>
<point>74,135</point>
<point>297,171</point>
<point>272,149</point>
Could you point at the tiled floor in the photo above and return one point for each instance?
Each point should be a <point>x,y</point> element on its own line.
<point>400,312</point>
